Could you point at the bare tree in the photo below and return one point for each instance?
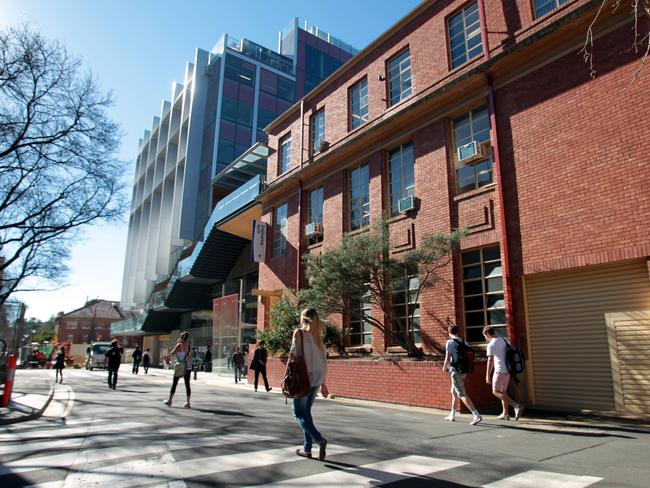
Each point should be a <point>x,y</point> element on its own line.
<point>639,10</point>
<point>58,165</point>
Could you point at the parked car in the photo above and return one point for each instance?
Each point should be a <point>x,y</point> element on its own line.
<point>95,355</point>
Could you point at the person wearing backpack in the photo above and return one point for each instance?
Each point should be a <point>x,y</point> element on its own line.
<point>497,373</point>
<point>457,363</point>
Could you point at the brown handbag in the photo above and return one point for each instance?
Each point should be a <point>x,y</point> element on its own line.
<point>295,383</point>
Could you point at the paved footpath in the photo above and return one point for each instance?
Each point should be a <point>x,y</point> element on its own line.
<point>92,436</point>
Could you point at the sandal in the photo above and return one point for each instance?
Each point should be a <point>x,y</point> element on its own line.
<point>304,454</point>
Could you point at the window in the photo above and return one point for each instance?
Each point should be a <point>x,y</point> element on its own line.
<point>285,154</point>
<point>401,163</point>
<point>359,104</point>
<point>407,307</point>
<point>280,231</point>
<point>360,329</point>
<point>542,7</point>
<point>464,31</point>
<point>473,126</point>
<point>315,212</point>
<point>317,127</point>
<point>359,197</point>
<point>399,77</point>
<point>483,292</point>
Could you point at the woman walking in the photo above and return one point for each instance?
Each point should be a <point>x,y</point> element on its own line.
<point>59,365</point>
<point>308,342</point>
<point>183,351</point>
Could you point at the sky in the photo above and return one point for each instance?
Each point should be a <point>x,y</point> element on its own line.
<point>137,49</point>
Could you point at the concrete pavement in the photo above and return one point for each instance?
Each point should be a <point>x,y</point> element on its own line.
<point>33,393</point>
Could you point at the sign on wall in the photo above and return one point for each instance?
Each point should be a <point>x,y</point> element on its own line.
<point>258,248</point>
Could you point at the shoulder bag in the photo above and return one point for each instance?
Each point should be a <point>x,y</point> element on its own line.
<point>295,383</point>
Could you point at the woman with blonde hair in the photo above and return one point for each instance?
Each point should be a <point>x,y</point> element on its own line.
<point>308,342</point>
<point>183,351</point>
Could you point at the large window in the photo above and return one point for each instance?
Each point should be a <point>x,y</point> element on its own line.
<point>360,329</point>
<point>542,7</point>
<point>472,173</point>
<point>359,197</point>
<point>285,154</point>
<point>315,212</point>
<point>399,77</point>
<point>483,292</point>
<point>317,128</point>
<point>406,306</point>
<point>359,104</point>
<point>401,167</point>
<point>464,30</point>
<point>280,231</point>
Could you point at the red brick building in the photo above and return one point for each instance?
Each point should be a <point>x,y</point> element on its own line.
<point>91,323</point>
<point>483,115</point>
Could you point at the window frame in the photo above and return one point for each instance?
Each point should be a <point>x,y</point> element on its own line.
<point>406,190</point>
<point>481,166</point>
<point>364,207</point>
<point>534,7</point>
<point>280,224</point>
<point>313,142</point>
<point>408,294</point>
<point>485,294</point>
<point>465,37</point>
<point>389,79</point>
<point>360,117</point>
<point>315,217</point>
<point>282,142</point>
<point>357,325</point>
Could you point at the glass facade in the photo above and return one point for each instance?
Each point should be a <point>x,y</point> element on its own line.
<point>401,168</point>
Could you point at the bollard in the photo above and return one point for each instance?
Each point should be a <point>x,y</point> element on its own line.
<point>9,382</point>
<point>195,371</point>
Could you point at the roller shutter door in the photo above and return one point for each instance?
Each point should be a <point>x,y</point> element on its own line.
<point>568,334</point>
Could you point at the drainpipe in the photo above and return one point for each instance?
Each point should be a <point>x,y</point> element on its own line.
<point>299,246</point>
<point>505,247</point>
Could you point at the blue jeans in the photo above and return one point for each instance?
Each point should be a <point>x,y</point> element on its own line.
<point>302,413</point>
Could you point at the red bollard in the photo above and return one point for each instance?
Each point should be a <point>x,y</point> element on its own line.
<point>9,382</point>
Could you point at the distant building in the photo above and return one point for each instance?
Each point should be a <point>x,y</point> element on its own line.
<point>91,323</point>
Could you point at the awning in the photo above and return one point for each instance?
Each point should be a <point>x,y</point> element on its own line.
<point>251,163</point>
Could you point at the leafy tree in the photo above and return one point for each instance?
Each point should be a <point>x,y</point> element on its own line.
<point>58,165</point>
<point>361,269</point>
<point>285,318</point>
<point>639,10</point>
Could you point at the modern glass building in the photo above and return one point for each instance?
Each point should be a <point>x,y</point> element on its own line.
<point>198,171</point>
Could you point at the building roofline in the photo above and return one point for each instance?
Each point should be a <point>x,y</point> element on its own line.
<point>352,62</point>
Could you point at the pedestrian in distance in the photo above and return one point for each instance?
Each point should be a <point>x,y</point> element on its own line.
<point>258,364</point>
<point>146,361</point>
<point>457,377</point>
<point>137,357</point>
<point>114,357</point>
<point>59,364</point>
<point>238,363</point>
<point>496,372</point>
<point>183,352</point>
<point>207,360</point>
<point>308,341</point>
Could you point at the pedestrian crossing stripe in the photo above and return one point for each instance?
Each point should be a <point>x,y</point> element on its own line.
<point>535,479</point>
<point>113,429</point>
<point>375,474</point>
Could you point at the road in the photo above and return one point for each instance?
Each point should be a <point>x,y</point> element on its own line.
<point>93,436</point>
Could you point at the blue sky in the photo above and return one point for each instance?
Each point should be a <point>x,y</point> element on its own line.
<point>137,48</point>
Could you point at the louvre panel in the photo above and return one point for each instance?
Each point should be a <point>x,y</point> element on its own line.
<point>568,338</point>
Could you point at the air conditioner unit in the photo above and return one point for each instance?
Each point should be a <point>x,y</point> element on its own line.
<point>314,229</point>
<point>470,152</point>
<point>322,146</point>
<point>406,204</point>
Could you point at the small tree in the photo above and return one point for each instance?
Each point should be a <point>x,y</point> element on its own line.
<point>361,269</point>
<point>285,318</point>
<point>58,165</point>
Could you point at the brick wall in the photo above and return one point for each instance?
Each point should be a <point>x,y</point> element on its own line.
<point>417,383</point>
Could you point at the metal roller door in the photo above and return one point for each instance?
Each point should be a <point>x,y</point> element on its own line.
<point>568,333</point>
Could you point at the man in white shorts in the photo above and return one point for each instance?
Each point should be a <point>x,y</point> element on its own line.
<point>497,372</point>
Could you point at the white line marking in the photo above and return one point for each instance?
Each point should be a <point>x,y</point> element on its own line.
<point>535,479</point>
<point>375,474</point>
<point>116,428</point>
